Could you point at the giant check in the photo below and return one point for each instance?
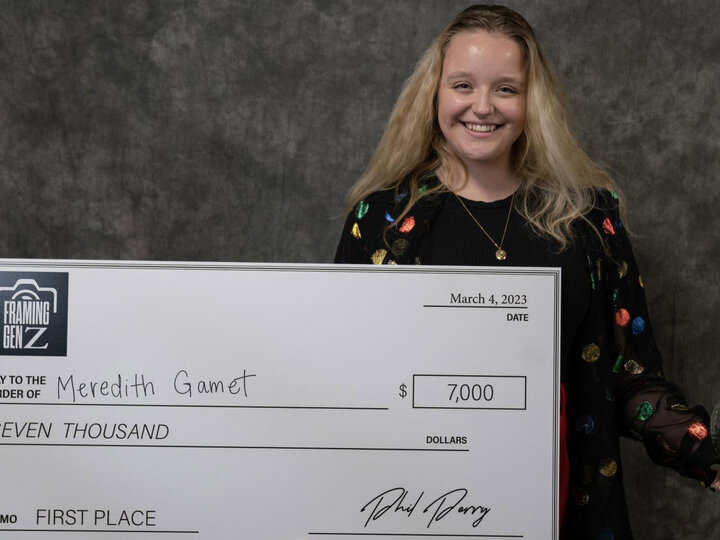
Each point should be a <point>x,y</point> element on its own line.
<point>277,402</point>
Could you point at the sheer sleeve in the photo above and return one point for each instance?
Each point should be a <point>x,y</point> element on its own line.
<point>350,249</point>
<point>359,227</point>
<point>363,239</point>
<point>651,409</point>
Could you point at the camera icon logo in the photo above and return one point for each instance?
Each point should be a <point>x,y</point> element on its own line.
<point>33,311</point>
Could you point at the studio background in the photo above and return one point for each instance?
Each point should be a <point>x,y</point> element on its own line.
<point>231,131</point>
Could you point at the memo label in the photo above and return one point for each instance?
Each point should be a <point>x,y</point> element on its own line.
<point>33,313</point>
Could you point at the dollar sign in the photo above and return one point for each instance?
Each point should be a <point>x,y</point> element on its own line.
<point>403,391</point>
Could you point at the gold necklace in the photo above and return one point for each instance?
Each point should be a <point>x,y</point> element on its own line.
<point>500,254</point>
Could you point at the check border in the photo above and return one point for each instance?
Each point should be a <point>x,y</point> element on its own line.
<point>555,273</point>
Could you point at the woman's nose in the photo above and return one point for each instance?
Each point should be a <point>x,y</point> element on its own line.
<point>482,104</point>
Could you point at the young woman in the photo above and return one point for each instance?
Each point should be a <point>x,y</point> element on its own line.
<point>477,166</point>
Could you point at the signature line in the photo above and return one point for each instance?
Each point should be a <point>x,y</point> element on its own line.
<point>418,535</point>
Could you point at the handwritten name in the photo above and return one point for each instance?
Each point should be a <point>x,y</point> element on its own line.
<point>394,501</point>
<point>137,385</point>
<point>121,387</point>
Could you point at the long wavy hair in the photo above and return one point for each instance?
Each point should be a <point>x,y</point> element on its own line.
<point>558,176</point>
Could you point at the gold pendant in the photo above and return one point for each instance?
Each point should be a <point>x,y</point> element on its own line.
<point>501,254</point>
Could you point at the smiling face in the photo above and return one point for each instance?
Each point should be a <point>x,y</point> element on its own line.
<point>481,98</point>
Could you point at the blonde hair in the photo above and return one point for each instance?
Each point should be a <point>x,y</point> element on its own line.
<point>559,177</point>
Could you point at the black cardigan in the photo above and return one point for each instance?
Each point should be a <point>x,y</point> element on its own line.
<point>616,385</point>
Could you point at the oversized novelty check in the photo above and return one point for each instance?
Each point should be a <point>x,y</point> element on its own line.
<point>277,402</point>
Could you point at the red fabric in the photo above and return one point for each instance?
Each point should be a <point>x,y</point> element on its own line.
<point>564,463</point>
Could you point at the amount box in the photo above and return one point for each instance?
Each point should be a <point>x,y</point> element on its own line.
<point>500,392</point>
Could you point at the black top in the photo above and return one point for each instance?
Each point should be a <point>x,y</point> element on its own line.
<point>615,381</point>
<point>455,239</point>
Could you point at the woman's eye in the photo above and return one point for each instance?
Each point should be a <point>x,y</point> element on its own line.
<point>461,86</point>
<point>507,90</point>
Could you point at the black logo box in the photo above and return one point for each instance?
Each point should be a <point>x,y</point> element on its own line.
<point>50,339</point>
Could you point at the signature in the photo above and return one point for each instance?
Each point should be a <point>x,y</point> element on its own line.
<point>398,500</point>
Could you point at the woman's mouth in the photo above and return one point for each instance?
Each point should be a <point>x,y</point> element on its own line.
<point>480,128</point>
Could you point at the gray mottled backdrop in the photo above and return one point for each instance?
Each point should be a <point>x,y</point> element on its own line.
<point>231,130</point>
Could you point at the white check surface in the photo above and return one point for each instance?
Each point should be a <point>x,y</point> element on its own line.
<point>279,402</point>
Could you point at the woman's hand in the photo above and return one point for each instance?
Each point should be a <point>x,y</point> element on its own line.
<point>716,484</point>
